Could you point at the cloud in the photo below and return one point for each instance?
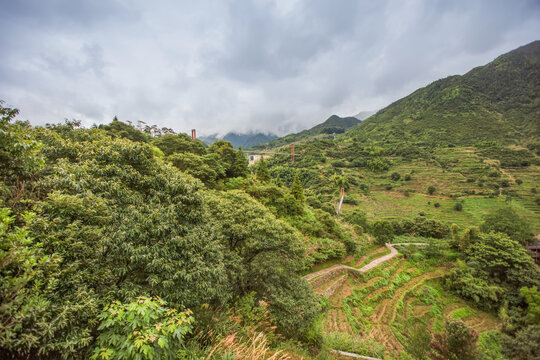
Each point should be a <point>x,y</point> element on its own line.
<point>266,65</point>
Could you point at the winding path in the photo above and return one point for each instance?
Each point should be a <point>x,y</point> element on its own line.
<point>371,265</point>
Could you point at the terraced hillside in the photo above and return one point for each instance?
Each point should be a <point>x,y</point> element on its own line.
<point>466,137</point>
<point>377,312</point>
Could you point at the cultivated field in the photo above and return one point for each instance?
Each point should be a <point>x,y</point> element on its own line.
<point>381,312</point>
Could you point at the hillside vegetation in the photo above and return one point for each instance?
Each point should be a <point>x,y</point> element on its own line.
<point>119,242</point>
<point>496,102</point>
<point>333,125</point>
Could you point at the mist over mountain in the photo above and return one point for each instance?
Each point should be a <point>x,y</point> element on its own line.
<point>362,115</point>
<point>240,140</point>
<point>333,125</point>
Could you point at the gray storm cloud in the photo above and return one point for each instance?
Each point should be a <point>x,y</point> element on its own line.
<point>218,66</point>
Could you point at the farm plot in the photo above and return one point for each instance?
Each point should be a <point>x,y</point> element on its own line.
<point>384,304</point>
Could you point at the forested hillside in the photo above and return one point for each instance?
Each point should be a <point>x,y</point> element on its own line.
<point>497,102</point>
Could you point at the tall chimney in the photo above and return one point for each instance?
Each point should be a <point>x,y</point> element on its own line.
<point>193,134</point>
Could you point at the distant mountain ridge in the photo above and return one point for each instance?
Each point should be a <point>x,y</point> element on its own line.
<point>333,125</point>
<point>240,140</point>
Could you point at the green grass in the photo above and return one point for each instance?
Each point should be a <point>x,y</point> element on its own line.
<point>380,205</point>
<point>462,313</point>
<point>372,257</point>
<point>432,303</point>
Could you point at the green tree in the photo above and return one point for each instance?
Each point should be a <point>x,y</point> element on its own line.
<point>341,181</point>
<point>234,162</point>
<point>124,224</point>
<point>357,217</point>
<point>383,231</point>
<point>118,128</point>
<point>263,256</point>
<point>500,256</point>
<point>261,171</point>
<point>471,284</point>
<point>469,236</point>
<point>143,329</point>
<point>507,221</point>
<point>524,345</point>
<point>296,189</point>
<point>26,274</point>
<point>180,143</point>
<point>431,189</point>
<point>205,168</point>
<point>20,156</point>
<point>458,342</point>
<point>532,297</point>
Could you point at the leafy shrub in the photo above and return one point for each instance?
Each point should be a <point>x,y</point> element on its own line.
<point>507,221</point>
<point>143,329</point>
<point>383,231</point>
<point>395,176</point>
<point>357,217</point>
<point>494,174</point>
<point>421,226</point>
<point>26,274</point>
<point>437,205</point>
<point>407,177</point>
<point>469,284</point>
<point>359,230</point>
<point>350,200</point>
<point>458,206</point>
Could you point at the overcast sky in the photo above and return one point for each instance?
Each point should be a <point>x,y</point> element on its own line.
<point>218,66</point>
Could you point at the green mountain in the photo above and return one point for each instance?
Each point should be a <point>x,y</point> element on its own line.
<point>333,125</point>
<point>499,101</point>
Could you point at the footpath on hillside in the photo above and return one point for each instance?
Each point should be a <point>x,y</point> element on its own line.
<point>329,272</point>
<point>371,265</point>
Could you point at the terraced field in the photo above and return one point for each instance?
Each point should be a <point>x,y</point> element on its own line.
<point>384,303</point>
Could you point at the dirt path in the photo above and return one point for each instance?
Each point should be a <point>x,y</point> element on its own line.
<point>371,265</point>
<point>338,321</point>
